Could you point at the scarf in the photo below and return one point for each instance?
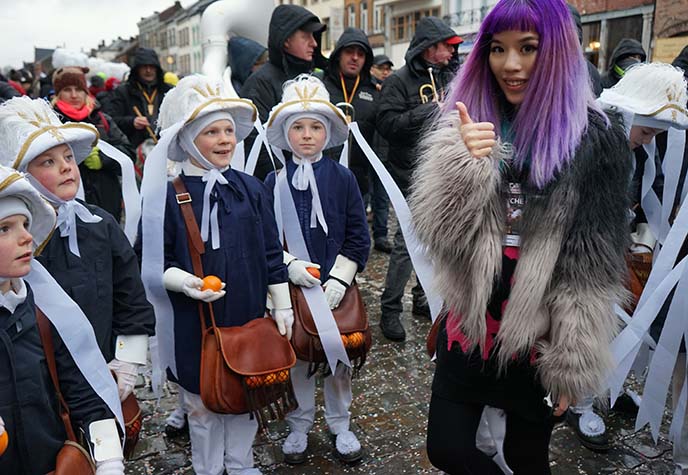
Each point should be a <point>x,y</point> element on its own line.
<point>74,113</point>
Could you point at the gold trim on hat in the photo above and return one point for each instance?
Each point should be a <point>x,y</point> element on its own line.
<point>274,114</point>
<point>668,106</point>
<point>56,132</point>
<point>12,178</point>
<point>229,101</point>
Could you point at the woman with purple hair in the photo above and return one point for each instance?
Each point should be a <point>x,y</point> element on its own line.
<point>530,179</point>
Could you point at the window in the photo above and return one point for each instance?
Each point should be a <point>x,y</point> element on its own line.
<point>364,17</point>
<point>404,26</point>
<point>352,16</point>
<point>163,40</point>
<point>378,20</point>
<point>184,37</point>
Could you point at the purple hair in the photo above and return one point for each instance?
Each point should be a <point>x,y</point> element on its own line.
<point>553,117</point>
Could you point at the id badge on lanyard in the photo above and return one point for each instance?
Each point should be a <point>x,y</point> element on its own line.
<point>516,201</point>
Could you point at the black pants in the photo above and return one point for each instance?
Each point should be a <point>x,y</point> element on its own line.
<point>451,441</point>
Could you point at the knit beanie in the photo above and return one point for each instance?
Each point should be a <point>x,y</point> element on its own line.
<point>70,76</point>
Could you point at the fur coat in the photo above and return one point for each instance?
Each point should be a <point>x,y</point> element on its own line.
<point>571,269</point>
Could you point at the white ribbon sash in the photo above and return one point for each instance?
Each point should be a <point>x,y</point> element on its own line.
<point>253,155</point>
<point>315,297</point>
<point>130,193</point>
<point>76,333</point>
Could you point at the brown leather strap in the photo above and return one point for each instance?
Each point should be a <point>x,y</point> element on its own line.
<point>196,244</point>
<point>49,349</point>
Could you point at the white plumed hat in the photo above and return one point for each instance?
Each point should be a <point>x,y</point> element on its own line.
<point>305,94</point>
<point>29,127</point>
<point>42,223</point>
<point>195,96</point>
<point>654,92</point>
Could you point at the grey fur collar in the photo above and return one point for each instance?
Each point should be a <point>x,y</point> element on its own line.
<point>571,266</point>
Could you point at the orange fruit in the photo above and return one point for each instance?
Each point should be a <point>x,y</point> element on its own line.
<point>210,282</point>
<point>315,272</point>
<point>4,441</point>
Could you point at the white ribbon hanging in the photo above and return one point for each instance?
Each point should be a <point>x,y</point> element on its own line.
<point>421,264</point>
<point>209,217</point>
<point>304,178</point>
<point>130,192</point>
<point>253,155</point>
<point>66,221</point>
<point>154,195</point>
<point>239,157</point>
<point>344,156</point>
<point>77,334</point>
<point>315,297</point>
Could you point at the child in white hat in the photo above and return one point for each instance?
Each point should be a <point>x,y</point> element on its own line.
<point>332,222</point>
<point>28,400</point>
<point>90,256</point>
<point>200,127</point>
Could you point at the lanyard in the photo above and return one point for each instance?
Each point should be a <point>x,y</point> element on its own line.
<point>149,99</point>
<point>348,98</point>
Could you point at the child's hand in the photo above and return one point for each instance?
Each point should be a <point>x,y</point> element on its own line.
<point>299,275</point>
<point>284,319</point>
<point>334,293</point>
<point>192,288</point>
<point>479,137</point>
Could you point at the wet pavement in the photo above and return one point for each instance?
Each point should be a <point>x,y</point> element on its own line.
<point>389,415</point>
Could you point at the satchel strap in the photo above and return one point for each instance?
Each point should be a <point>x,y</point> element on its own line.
<point>196,244</point>
<point>49,349</point>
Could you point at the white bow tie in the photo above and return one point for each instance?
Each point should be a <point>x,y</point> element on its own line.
<point>302,179</point>
<point>209,217</point>
<point>66,221</point>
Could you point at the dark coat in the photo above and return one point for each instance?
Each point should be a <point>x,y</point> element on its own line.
<point>28,403</point>
<point>347,232</point>
<point>625,48</point>
<point>364,102</point>
<point>264,87</point>
<point>248,260</point>
<point>105,282</point>
<point>7,92</point>
<point>243,54</point>
<point>130,94</point>
<point>401,116</point>
<point>102,187</point>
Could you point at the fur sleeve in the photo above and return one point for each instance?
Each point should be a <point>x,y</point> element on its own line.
<point>458,214</point>
<point>590,271</point>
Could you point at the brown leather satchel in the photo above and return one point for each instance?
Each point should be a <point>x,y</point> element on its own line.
<point>639,268</point>
<point>243,369</point>
<point>72,459</point>
<point>352,321</point>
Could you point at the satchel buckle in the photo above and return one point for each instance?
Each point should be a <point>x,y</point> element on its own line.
<point>183,198</point>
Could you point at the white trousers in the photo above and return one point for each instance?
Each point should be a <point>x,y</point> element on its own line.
<point>337,392</point>
<point>219,441</point>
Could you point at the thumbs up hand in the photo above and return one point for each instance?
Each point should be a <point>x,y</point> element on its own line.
<point>479,137</point>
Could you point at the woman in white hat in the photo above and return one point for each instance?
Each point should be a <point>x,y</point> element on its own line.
<point>28,400</point>
<point>91,257</point>
<point>200,127</point>
<point>334,228</point>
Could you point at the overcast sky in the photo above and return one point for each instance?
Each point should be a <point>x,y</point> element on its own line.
<point>75,24</point>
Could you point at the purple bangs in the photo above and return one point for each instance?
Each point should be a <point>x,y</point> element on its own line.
<point>549,123</point>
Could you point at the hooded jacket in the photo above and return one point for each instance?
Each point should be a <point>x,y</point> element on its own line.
<point>264,87</point>
<point>401,116</point>
<point>364,101</point>
<point>243,54</point>
<point>625,48</point>
<point>131,93</point>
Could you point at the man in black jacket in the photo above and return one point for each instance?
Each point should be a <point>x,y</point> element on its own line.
<point>348,80</point>
<point>293,49</point>
<point>626,54</point>
<point>144,90</point>
<point>404,110</point>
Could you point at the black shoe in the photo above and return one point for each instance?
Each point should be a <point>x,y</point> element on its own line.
<point>383,246</point>
<point>392,328</point>
<point>596,443</point>
<point>422,310</point>
<point>173,432</point>
<point>350,458</point>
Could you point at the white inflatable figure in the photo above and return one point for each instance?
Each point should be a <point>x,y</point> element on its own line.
<point>224,19</point>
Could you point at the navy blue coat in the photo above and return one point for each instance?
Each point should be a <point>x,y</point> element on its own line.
<point>344,213</point>
<point>28,404</point>
<point>248,260</point>
<point>105,282</point>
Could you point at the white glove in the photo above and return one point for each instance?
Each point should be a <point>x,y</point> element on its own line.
<point>2,426</point>
<point>178,280</point>
<point>298,274</point>
<point>192,288</point>
<point>110,467</point>
<point>284,318</point>
<point>126,376</point>
<point>334,293</point>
